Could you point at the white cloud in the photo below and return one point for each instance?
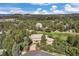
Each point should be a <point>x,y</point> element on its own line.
<point>40,4</point>
<point>71,9</point>
<point>9,8</point>
<point>58,12</point>
<point>37,11</point>
<point>12,10</point>
<point>4,12</point>
<point>17,11</point>
<point>40,11</point>
<point>54,10</point>
<point>45,12</point>
<point>54,7</point>
<point>75,4</point>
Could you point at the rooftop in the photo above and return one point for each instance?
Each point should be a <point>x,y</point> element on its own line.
<point>36,36</point>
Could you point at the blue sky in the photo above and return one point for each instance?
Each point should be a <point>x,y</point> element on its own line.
<point>39,8</point>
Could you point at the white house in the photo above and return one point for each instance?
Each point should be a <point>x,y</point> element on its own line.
<point>36,38</point>
<point>10,20</point>
<point>1,51</point>
<point>49,40</point>
<point>5,20</point>
<point>0,32</point>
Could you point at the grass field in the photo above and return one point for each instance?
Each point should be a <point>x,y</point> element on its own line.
<point>60,35</point>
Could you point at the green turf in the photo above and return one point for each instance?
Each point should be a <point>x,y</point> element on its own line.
<point>59,35</point>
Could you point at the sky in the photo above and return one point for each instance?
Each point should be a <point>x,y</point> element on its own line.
<point>39,8</point>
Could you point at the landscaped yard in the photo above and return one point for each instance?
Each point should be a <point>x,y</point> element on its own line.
<point>64,43</point>
<point>60,35</point>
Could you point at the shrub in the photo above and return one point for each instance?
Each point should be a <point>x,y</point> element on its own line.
<point>43,40</point>
<point>73,40</point>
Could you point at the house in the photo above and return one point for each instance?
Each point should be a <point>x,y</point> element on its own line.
<point>1,51</point>
<point>36,38</point>
<point>5,20</point>
<point>10,20</point>
<point>1,32</point>
<point>57,31</point>
<point>49,40</point>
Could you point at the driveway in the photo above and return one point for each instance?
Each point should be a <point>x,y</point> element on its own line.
<point>32,47</point>
<point>37,53</point>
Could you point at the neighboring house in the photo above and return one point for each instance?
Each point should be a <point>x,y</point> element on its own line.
<point>1,32</point>
<point>36,38</point>
<point>1,51</point>
<point>57,31</point>
<point>4,20</point>
<point>9,19</point>
<point>70,30</point>
<point>49,40</point>
<point>7,32</point>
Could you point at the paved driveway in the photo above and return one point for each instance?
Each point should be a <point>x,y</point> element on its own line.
<point>32,47</point>
<point>36,53</point>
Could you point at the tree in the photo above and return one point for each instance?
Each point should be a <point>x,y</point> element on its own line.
<point>73,40</point>
<point>39,26</point>
<point>43,40</point>
<point>16,49</point>
<point>7,44</point>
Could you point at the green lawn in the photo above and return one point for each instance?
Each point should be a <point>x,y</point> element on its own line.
<point>60,35</point>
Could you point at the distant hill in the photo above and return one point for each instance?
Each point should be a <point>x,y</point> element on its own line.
<point>39,16</point>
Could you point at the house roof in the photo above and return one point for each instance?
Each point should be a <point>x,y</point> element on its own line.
<point>36,36</point>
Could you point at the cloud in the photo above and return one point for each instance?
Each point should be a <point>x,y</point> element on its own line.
<point>75,4</point>
<point>54,10</point>
<point>71,9</point>
<point>40,11</point>
<point>58,12</point>
<point>40,4</point>
<point>11,10</point>
<point>54,7</point>
<point>8,8</point>
<point>4,12</point>
<point>45,12</point>
<point>17,11</point>
<point>37,11</point>
<point>68,8</point>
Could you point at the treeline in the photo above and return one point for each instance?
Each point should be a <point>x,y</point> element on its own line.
<point>50,22</point>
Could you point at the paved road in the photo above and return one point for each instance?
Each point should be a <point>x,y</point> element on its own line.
<point>36,53</point>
